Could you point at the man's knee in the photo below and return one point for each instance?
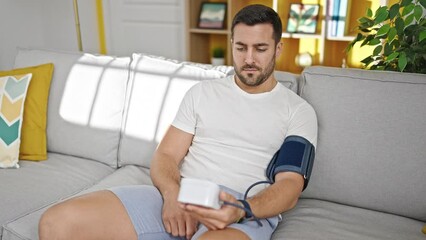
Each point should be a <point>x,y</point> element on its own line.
<point>227,233</point>
<point>57,222</point>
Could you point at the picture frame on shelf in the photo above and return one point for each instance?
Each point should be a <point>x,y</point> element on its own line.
<point>212,15</point>
<point>303,18</point>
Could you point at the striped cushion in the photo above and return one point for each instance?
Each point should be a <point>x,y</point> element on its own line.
<point>13,90</point>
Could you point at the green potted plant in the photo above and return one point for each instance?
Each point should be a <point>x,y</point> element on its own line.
<point>218,56</point>
<point>398,35</point>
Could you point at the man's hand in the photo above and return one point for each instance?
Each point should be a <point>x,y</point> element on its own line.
<point>216,219</point>
<point>178,222</point>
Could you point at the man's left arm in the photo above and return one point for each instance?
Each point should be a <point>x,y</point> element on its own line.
<point>279,197</point>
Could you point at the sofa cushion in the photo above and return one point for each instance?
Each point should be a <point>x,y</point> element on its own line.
<point>86,102</point>
<point>26,227</point>
<point>371,139</point>
<point>13,91</point>
<point>33,138</point>
<point>156,88</point>
<point>38,184</point>
<point>322,220</point>
<point>290,80</point>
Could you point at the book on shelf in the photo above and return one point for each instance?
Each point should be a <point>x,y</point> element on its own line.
<point>329,17</point>
<point>348,12</point>
<point>335,17</point>
<point>343,18</point>
<point>338,15</point>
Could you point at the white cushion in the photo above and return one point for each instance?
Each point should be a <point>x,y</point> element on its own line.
<point>156,88</point>
<point>13,91</point>
<point>86,102</point>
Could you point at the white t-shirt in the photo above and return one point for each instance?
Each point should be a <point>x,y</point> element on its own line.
<point>237,133</point>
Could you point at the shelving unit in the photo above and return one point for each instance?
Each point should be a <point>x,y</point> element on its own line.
<point>326,50</point>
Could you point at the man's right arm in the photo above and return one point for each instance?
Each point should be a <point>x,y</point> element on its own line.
<point>165,175</point>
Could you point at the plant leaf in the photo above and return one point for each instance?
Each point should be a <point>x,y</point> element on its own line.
<point>377,50</point>
<point>387,50</point>
<point>363,20</point>
<point>418,12</point>
<point>369,13</point>
<point>395,44</point>
<point>399,25</point>
<point>394,10</point>
<point>359,37</point>
<point>423,3</point>
<point>402,61</point>
<point>407,9</point>
<point>367,60</point>
<point>391,34</point>
<point>374,42</point>
<point>392,56</point>
<point>409,19</point>
<point>366,30</point>
<point>405,2</point>
<point>383,30</point>
<point>367,40</point>
<point>422,35</point>
<point>381,14</point>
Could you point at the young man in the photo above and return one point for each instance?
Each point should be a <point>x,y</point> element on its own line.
<point>225,131</point>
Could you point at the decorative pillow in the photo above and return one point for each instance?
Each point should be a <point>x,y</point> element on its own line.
<point>33,134</point>
<point>13,90</point>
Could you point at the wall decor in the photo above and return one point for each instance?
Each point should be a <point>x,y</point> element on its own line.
<point>212,15</point>
<point>303,18</point>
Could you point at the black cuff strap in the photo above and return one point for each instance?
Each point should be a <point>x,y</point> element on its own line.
<point>246,206</point>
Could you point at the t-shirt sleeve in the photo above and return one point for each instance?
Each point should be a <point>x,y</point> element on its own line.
<point>186,118</point>
<point>303,122</point>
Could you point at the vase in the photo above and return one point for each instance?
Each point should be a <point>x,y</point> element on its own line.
<point>218,61</point>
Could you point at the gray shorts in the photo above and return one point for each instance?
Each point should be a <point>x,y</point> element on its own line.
<point>144,205</point>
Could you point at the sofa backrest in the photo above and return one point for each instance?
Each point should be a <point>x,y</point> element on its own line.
<point>86,102</point>
<point>116,110</point>
<point>372,139</point>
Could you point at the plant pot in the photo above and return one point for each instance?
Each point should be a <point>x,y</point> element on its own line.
<point>218,61</point>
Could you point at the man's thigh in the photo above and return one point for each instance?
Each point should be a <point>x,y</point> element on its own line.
<point>97,215</point>
<point>144,206</point>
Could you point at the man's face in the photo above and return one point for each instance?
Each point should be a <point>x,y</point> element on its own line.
<point>254,52</point>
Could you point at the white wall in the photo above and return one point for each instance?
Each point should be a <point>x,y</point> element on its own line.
<point>20,24</point>
<point>44,24</point>
<point>50,24</point>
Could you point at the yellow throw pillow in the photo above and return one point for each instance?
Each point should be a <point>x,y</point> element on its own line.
<point>424,229</point>
<point>13,91</point>
<point>33,132</point>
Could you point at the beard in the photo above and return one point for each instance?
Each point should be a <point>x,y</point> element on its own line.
<point>252,80</point>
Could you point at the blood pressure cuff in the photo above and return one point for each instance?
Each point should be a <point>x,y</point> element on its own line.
<point>295,155</point>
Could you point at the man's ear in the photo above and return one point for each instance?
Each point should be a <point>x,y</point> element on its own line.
<point>278,49</point>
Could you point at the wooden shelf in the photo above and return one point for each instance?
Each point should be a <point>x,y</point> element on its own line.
<point>326,50</point>
<point>344,38</point>
<point>301,35</point>
<point>208,31</point>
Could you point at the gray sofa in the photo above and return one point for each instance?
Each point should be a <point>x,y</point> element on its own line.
<point>107,114</point>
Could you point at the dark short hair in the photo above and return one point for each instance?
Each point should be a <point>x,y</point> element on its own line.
<point>258,13</point>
